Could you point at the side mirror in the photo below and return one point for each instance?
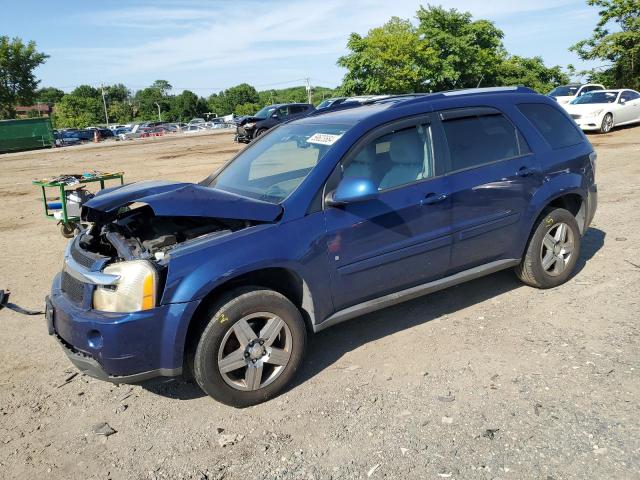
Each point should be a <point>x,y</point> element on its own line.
<point>350,190</point>
<point>275,115</point>
<point>623,101</point>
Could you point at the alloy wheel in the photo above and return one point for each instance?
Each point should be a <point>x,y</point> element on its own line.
<point>255,351</point>
<point>557,248</point>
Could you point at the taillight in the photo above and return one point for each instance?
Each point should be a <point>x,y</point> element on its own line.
<point>593,156</point>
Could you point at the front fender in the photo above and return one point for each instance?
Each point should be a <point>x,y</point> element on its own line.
<point>296,246</point>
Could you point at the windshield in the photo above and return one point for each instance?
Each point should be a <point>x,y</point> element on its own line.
<point>596,97</point>
<point>564,91</point>
<point>266,112</point>
<point>275,165</point>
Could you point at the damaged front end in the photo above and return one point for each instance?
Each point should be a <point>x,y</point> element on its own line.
<point>120,260</point>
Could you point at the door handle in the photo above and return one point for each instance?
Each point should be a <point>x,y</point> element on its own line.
<point>525,172</point>
<point>432,198</point>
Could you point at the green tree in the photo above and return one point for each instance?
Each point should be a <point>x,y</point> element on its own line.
<point>49,95</point>
<point>530,72</point>
<point>620,47</point>
<point>117,93</point>
<point>247,109</point>
<point>75,111</point>
<point>387,60</point>
<point>446,49</point>
<point>186,106</point>
<point>228,100</point>
<point>147,100</point>
<point>86,91</point>
<point>120,112</point>
<point>18,82</point>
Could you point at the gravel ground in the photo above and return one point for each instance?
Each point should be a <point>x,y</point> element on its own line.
<point>490,379</point>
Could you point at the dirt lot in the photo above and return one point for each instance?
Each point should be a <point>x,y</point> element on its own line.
<point>489,379</point>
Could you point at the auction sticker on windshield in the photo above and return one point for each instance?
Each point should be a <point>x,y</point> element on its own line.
<point>323,138</point>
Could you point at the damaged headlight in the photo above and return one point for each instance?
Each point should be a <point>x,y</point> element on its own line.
<point>249,125</point>
<point>136,290</point>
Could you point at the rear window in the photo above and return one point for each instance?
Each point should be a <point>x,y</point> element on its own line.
<point>558,130</point>
<point>477,140</point>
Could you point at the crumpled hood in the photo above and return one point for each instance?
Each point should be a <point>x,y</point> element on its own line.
<point>178,199</point>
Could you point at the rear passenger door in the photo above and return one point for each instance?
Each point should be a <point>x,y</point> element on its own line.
<point>493,176</point>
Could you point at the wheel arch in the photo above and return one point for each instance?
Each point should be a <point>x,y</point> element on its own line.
<point>280,279</point>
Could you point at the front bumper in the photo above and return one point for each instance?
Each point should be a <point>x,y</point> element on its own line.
<point>119,347</point>
<point>243,135</point>
<point>588,123</point>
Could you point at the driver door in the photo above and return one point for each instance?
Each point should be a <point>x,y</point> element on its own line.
<point>400,238</point>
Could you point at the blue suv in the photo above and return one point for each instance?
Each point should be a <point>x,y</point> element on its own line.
<point>323,219</point>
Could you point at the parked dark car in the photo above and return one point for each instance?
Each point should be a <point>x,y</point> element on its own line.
<point>252,127</point>
<point>321,220</point>
<point>330,103</point>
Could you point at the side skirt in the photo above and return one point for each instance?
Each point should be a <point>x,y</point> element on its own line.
<point>414,292</point>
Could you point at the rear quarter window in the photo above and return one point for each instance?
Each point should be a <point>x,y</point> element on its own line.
<point>558,130</point>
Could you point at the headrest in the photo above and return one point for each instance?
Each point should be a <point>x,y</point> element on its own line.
<point>407,147</point>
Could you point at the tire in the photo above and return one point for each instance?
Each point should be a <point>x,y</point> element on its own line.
<point>68,230</point>
<point>275,354</point>
<point>551,255</point>
<point>260,132</point>
<point>607,123</point>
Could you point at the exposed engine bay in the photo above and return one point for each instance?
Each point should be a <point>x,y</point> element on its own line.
<point>137,233</point>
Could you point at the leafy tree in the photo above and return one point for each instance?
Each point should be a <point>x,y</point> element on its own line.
<point>247,109</point>
<point>227,101</point>
<point>120,112</point>
<point>163,86</point>
<point>75,111</point>
<point>86,91</point>
<point>145,101</point>
<point>387,60</point>
<point>530,72</point>
<point>49,95</point>
<point>17,80</point>
<point>117,93</point>
<point>447,49</point>
<point>186,106</point>
<point>620,47</point>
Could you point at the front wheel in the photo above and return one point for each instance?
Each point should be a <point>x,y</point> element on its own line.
<point>552,252</point>
<point>607,123</point>
<point>251,348</point>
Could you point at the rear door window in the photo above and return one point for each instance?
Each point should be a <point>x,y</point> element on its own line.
<point>476,140</point>
<point>558,130</point>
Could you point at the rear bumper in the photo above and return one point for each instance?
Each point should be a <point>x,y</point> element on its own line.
<point>592,205</point>
<point>120,347</point>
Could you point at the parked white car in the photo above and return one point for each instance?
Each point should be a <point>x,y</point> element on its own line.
<point>605,109</point>
<point>566,93</point>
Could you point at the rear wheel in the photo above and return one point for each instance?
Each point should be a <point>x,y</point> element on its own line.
<point>251,348</point>
<point>607,123</point>
<point>552,251</point>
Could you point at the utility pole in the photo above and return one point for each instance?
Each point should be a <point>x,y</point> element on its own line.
<point>309,91</point>
<point>159,116</point>
<point>104,102</point>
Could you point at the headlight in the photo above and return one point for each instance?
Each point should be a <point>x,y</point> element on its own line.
<point>135,291</point>
<point>250,125</point>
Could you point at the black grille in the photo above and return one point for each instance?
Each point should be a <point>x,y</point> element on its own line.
<point>85,259</point>
<point>72,288</point>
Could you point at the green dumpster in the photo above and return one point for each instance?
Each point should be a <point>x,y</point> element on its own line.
<point>27,134</point>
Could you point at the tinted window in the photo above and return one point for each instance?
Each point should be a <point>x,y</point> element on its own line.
<point>482,139</point>
<point>397,158</point>
<point>628,95</point>
<point>558,130</point>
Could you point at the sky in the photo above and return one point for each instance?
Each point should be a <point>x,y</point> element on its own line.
<point>209,45</point>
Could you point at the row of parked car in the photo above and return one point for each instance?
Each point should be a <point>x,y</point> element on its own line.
<point>72,136</point>
<point>595,108</point>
